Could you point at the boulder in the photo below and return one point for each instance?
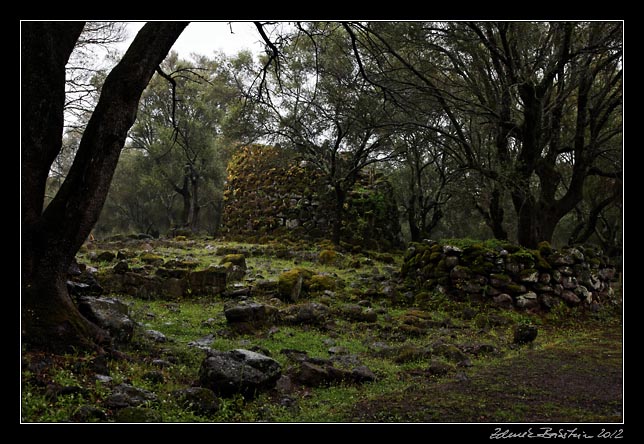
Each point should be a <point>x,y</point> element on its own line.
<point>199,400</point>
<point>110,314</point>
<point>238,371</point>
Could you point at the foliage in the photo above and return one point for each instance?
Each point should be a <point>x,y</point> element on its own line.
<point>172,172</point>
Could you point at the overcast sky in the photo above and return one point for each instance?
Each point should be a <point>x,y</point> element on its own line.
<point>206,37</point>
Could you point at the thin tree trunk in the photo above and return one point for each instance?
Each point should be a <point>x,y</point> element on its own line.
<point>340,198</point>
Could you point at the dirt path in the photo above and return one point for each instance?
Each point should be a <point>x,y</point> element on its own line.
<point>576,380</point>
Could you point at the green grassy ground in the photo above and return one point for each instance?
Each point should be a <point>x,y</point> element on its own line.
<point>571,373</point>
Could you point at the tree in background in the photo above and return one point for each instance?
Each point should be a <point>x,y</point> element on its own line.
<point>51,238</point>
<point>423,179</point>
<point>176,150</point>
<point>534,107</point>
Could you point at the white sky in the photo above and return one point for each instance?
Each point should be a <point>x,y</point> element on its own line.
<point>206,37</point>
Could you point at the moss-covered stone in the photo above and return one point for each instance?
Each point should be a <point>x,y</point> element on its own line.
<point>235,259</point>
<point>137,415</point>
<point>327,257</point>
<point>152,259</point>
<point>293,284</point>
<point>321,282</point>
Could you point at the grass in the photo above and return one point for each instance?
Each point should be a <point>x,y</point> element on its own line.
<point>403,391</point>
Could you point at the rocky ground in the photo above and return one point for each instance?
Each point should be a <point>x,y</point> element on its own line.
<point>209,331</point>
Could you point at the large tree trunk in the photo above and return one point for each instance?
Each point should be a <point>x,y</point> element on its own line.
<point>51,238</point>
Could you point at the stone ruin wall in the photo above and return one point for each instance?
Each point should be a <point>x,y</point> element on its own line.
<point>510,276</point>
<point>272,194</point>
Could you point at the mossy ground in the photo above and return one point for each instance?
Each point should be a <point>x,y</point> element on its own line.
<point>572,373</point>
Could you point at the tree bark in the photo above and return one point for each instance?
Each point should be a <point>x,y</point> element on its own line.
<point>51,238</point>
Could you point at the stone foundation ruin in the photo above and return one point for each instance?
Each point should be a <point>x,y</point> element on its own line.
<point>511,276</point>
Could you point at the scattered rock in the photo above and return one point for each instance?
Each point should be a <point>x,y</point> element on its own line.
<point>357,313</point>
<point>292,283</point>
<point>152,259</point>
<point>105,256</point>
<point>202,343</point>
<point>252,314</point>
<point>362,374</point>
<point>234,259</point>
<point>312,375</point>
<point>121,267</point>
<point>137,415</point>
<point>199,400</point>
<point>53,391</point>
<point>110,314</point>
<point>310,313</point>
<point>265,288</point>
<point>125,395</point>
<point>525,334</point>
<point>156,336</point>
<point>284,385</point>
<point>410,353</point>
<point>438,368</point>
<point>338,350</point>
<point>238,371</point>
<point>314,372</point>
<point>450,352</point>
<point>87,413</point>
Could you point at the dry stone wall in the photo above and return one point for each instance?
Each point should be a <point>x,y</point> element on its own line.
<point>511,276</point>
<point>270,193</point>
